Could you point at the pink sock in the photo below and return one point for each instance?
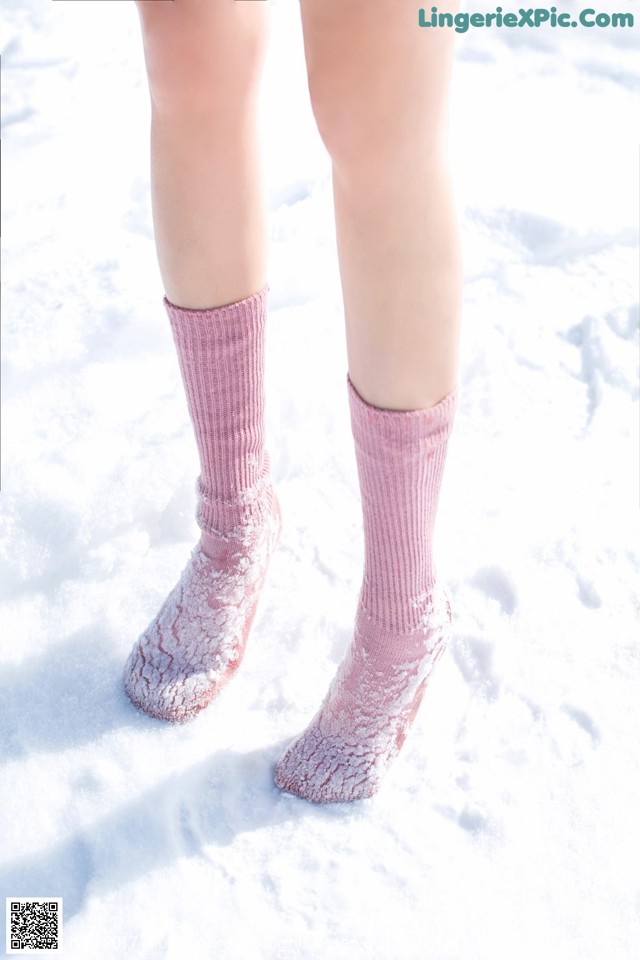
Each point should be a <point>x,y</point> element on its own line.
<point>191,649</point>
<point>403,618</point>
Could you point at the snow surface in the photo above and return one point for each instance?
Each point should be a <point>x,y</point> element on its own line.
<point>509,826</point>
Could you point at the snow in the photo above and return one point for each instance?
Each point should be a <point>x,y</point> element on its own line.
<point>506,827</point>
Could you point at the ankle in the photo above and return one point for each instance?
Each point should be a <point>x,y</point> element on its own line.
<point>240,530</point>
<point>423,626</point>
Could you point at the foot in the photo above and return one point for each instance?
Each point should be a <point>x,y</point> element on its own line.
<point>193,647</point>
<point>366,715</point>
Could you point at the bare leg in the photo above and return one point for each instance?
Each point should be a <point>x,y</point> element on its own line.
<point>379,86</point>
<point>204,60</point>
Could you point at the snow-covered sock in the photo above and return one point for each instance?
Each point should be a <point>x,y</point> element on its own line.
<point>197,641</point>
<point>403,618</point>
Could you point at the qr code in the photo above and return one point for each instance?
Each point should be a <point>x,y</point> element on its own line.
<point>34,925</point>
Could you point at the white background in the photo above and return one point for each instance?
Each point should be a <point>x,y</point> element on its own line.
<point>508,827</point>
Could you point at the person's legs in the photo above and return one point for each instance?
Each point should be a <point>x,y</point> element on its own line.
<point>204,59</point>
<point>379,88</point>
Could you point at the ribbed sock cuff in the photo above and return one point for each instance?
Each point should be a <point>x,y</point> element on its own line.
<point>400,456</point>
<point>395,428</point>
<point>221,356</point>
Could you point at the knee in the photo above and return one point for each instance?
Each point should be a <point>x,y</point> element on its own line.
<point>372,129</point>
<point>201,55</point>
<point>351,124</point>
<point>378,90</point>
